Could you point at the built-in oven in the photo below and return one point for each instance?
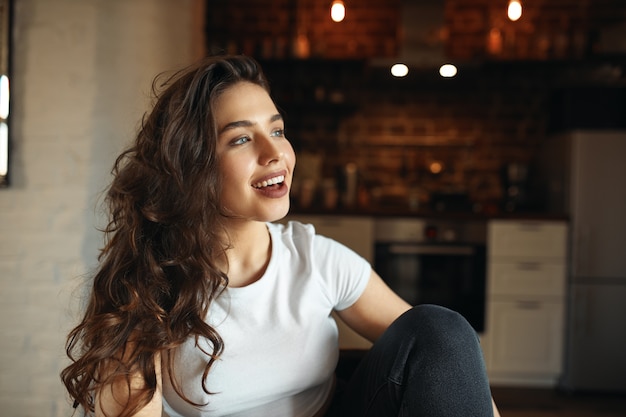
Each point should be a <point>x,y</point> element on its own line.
<point>435,261</point>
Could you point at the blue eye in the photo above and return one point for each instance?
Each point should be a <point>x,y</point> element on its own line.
<point>278,133</point>
<point>241,140</point>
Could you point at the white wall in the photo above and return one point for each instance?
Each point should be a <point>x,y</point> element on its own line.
<point>81,77</point>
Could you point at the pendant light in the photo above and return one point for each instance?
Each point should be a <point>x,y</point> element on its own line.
<point>337,11</point>
<point>514,10</point>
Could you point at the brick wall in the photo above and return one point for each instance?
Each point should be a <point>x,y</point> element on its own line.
<point>555,29</point>
<point>82,71</point>
<point>471,128</point>
<point>393,129</point>
<point>278,28</point>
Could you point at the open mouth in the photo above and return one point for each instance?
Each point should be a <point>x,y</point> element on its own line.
<point>272,182</point>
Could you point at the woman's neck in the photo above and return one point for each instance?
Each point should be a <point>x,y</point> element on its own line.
<point>249,253</point>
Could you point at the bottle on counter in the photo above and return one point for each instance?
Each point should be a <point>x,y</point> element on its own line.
<point>350,192</point>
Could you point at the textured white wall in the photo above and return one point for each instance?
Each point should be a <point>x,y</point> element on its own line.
<point>82,75</point>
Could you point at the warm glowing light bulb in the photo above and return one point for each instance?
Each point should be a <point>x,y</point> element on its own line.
<point>399,70</point>
<point>515,10</point>
<point>337,11</point>
<point>447,70</point>
<point>435,167</point>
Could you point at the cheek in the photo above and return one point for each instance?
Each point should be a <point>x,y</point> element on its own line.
<point>290,155</point>
<point>233,168</point>
<point>232,175</point>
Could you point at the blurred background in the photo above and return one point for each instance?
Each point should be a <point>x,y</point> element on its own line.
<point>490,143</point>
<point>558,67</point>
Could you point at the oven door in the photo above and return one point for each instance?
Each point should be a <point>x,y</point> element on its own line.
<point>447,274</point>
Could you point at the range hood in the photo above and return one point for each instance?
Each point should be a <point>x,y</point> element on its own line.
<point>422,35</point>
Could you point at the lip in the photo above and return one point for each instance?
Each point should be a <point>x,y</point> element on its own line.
<point>276,191</point>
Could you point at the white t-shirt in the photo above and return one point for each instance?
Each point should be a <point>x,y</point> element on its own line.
<point>280,340</point>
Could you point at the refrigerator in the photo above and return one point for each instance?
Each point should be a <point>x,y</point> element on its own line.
<point>583,174</point>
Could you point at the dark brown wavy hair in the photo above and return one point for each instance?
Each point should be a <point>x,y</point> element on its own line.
<point>157,274</point>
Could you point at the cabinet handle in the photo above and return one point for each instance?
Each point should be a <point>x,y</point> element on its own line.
<point>582,243</point>
<point>529,305</point>
<point>529,266</point>
<point>581,299</point>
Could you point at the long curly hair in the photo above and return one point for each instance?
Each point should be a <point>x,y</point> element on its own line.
<point>157,274</point>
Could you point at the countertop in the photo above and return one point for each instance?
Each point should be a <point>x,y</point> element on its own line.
<point>429,213</point>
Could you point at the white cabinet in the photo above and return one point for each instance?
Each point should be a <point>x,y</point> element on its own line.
<point>516,239</point>
<point>357,233</point>
<point>527,341</point>
<point>523,339</point>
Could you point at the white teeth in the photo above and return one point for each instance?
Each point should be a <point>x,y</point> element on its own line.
<point>271,181</point>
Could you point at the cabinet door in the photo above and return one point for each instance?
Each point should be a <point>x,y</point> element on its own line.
<point>526,337</point>
<point>527,239</point>
<point>527,278</point>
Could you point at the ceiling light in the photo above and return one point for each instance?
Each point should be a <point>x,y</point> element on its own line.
<point>337,11</point>
<point>399,70</point>
<point>447,70</point>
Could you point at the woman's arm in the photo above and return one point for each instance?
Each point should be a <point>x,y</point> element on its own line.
<point>375,310</point>
<point>111,398</point>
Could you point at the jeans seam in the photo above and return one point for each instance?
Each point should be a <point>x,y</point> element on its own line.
<point>385,384</point>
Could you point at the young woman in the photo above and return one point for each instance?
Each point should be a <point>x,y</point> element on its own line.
<point>203,307</point>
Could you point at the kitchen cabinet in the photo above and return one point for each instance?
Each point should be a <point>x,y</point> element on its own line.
<point>526,281</point>
<point>356,233</point>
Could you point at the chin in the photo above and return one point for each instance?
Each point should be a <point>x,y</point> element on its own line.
<point>279,213</point>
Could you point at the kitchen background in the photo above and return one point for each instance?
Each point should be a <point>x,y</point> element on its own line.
<point>558,68</point>
<point>82,71</point>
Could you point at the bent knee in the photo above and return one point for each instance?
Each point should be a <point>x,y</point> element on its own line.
<point>437,322</point>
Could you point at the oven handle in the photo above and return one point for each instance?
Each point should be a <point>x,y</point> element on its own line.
<point>430,250</point>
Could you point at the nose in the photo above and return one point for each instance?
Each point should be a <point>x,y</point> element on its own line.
<point>270,150</point>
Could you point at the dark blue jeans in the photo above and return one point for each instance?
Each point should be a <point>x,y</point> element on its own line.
<point>428,363</point>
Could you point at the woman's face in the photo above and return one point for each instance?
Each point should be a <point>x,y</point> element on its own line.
<point>256,160</point>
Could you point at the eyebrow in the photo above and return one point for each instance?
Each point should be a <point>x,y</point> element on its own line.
<point>248,123</point>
